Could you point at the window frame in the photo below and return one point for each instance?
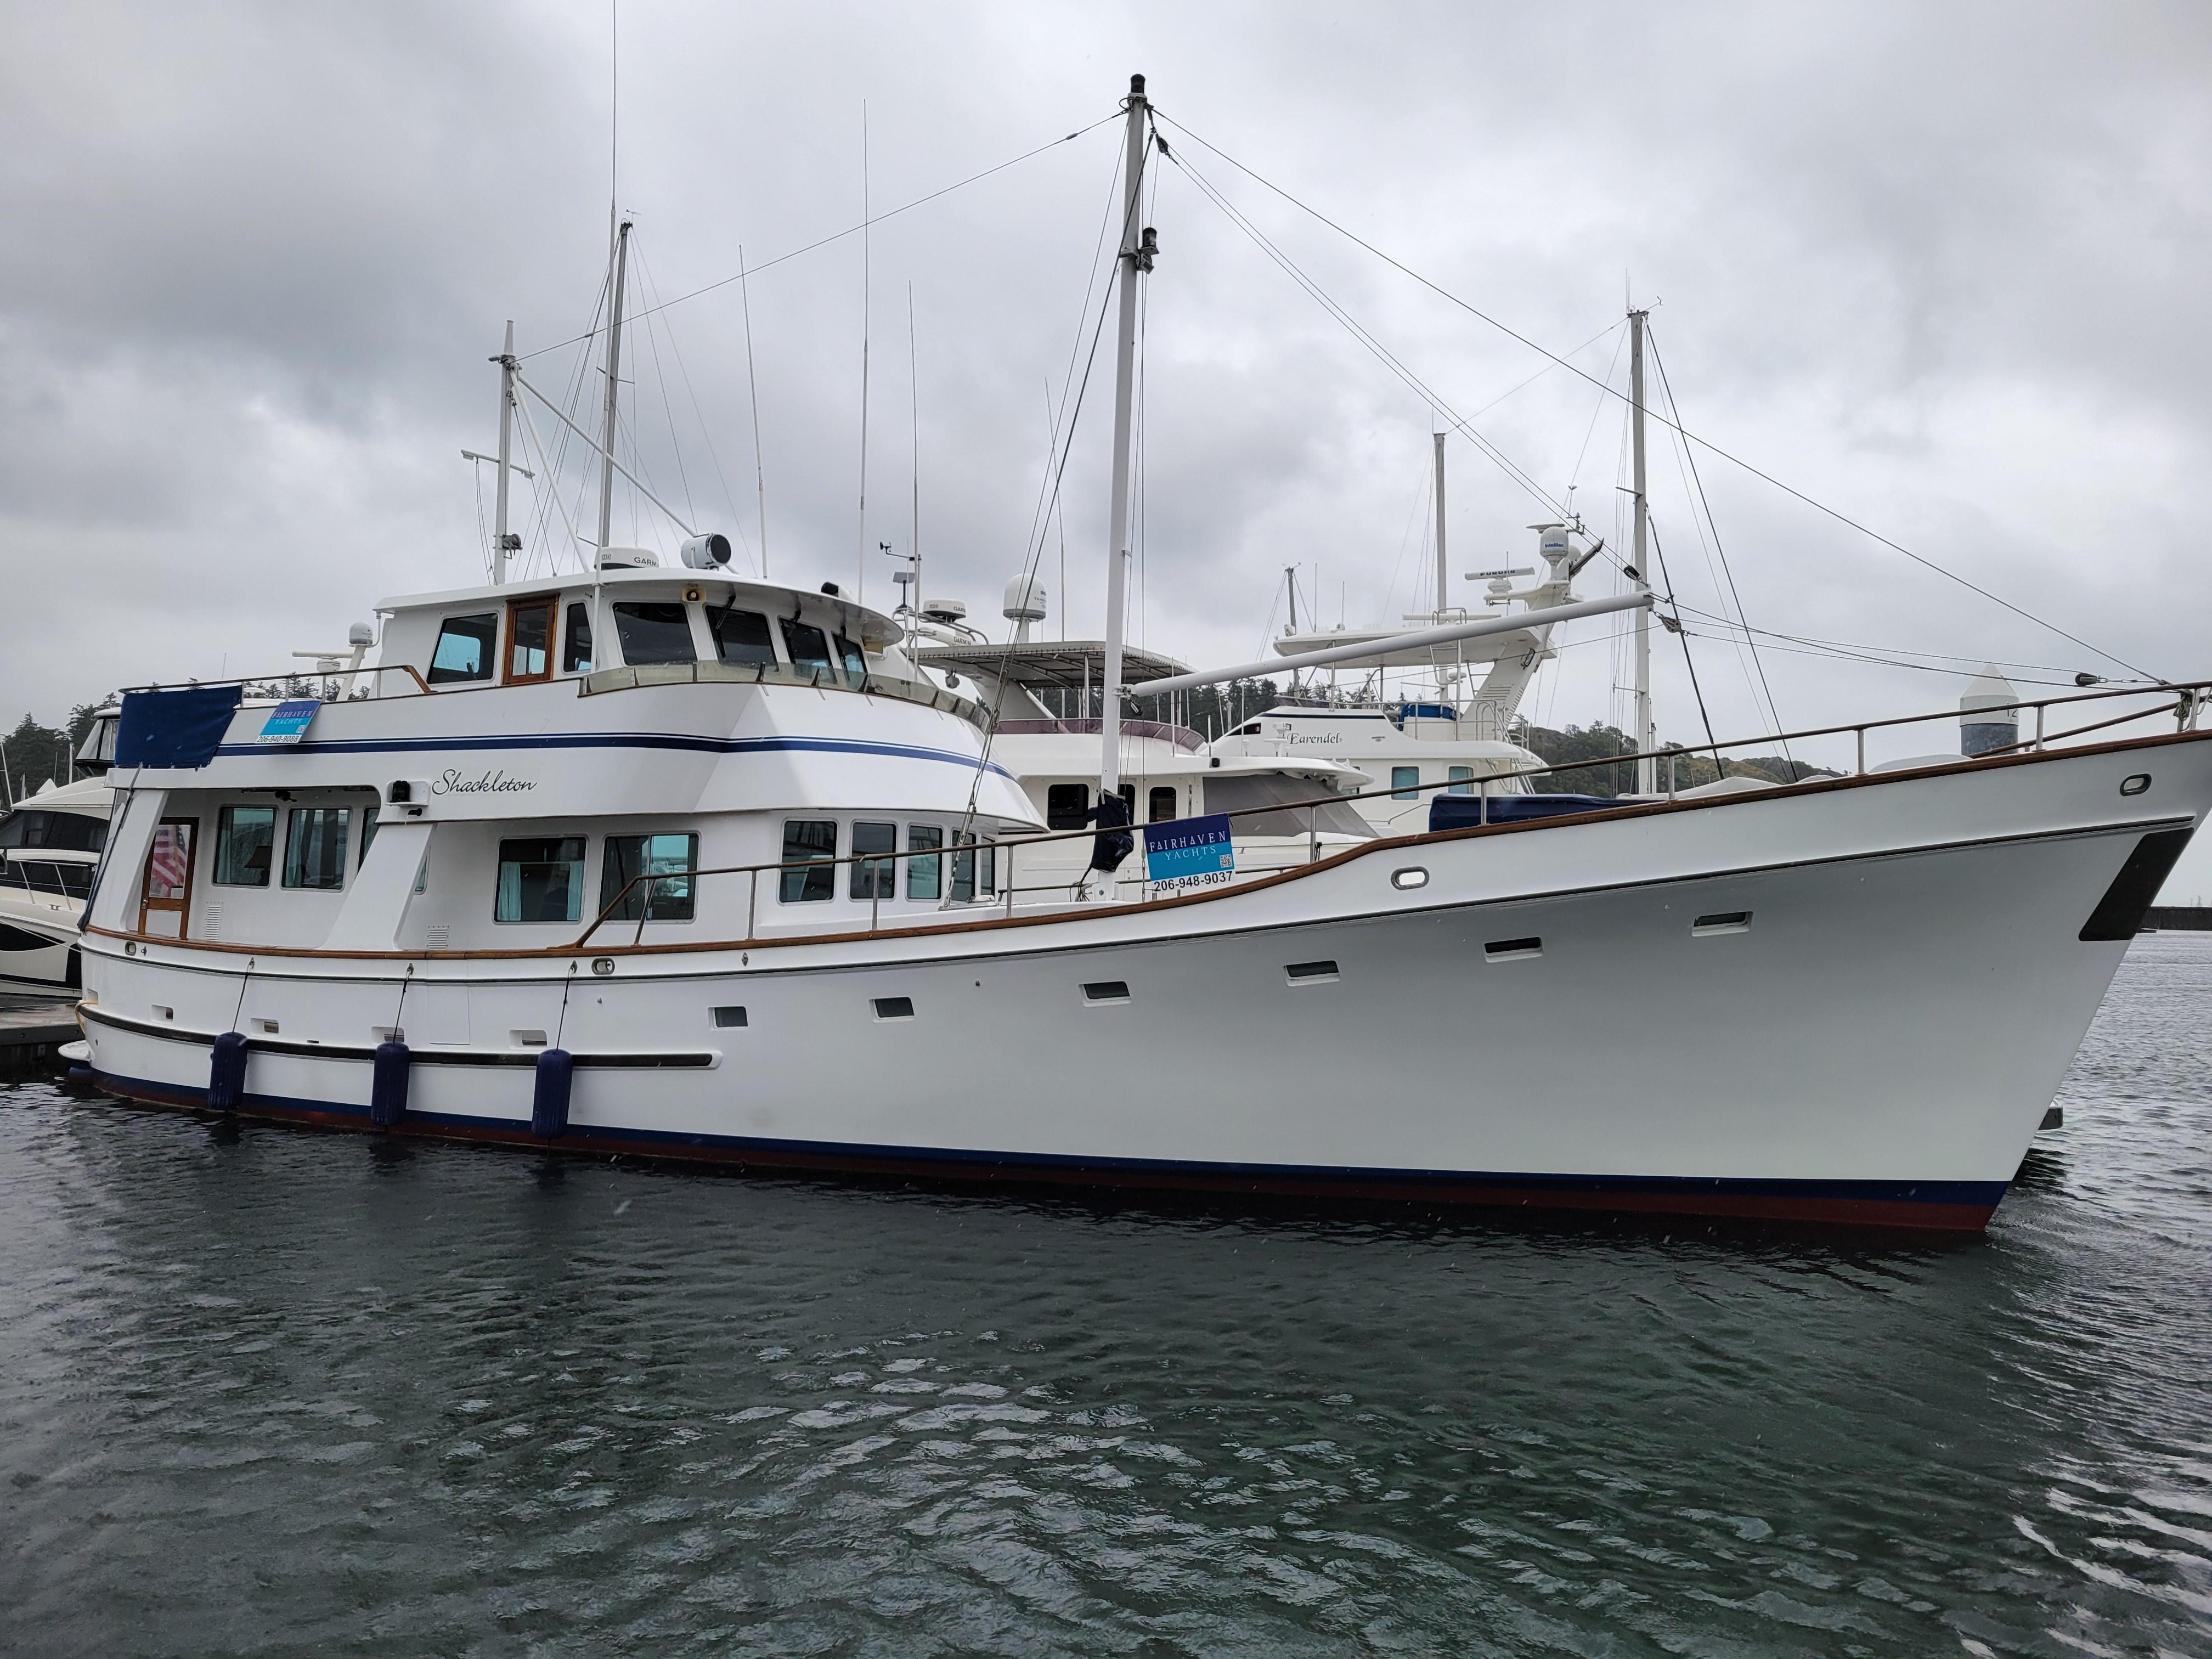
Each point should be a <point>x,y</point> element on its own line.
<point>488,670</point>
<point>1057,818</point>
<point>690,635</point>
<point>576,618</point>
<point>1459,780</point>
<point>548,604</point>
<point>648,896</point>
<point>733,608</point>
<point>224,818</point>
<point>292,827</point>
<point>796,886</point>
<point>1400,788</point>
<point>873,881</point>
<point>1153,814</point>
<point>934,858</point>
<point>181,905</point>
<point>577,865</point>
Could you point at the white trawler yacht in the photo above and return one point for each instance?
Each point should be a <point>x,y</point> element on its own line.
<point>662,859</point>
<point>49,845</point>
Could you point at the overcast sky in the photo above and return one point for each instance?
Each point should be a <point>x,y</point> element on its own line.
<point>1938,268</point>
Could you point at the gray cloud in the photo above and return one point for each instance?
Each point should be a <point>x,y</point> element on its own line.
<point>1936,267</point>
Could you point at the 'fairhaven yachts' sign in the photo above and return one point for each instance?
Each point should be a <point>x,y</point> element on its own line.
<point>484,783</point>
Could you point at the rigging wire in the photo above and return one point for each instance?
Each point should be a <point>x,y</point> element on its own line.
<point>1383,353</point>
<point>1672,408</point>
<point>752,392</point>
<point>851,230</point>
<point>1818,506</point>
<point>706,433</point>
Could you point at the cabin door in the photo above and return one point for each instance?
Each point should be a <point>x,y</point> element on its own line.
<point>529,641</point>
<point>165,900</point>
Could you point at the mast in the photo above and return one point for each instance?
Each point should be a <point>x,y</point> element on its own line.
<point>1136,258</point>
<point>1646,736</point>
<point>614,386</point>
<point>501,543</point>
<point>1444,588</point>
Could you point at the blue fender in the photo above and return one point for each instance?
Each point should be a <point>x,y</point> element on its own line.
<point>548,1103</point>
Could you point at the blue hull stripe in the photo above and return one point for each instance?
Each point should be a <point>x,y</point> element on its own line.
<point>1715,1195</point>
<point>612,740</point>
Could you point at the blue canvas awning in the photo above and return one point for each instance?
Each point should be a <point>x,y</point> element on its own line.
<point>174,728</point>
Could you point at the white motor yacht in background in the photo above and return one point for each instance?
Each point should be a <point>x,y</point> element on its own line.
<point>665,860</point>
<point>49,845</point>
<point>1167,770</point>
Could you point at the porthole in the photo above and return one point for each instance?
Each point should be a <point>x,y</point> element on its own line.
<point>894,1007</point>
<point>1106,990</point>
<point>2135,784</point>
<point>1310,973</point>
<point>1512,950</point>
<point>728,1016</point>
<point>602,966</point>
<point>1408,879</point>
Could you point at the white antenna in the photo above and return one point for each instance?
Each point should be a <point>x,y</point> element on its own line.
<point>752,389</point>
<point>861,586</point>
<point>1136,258</point>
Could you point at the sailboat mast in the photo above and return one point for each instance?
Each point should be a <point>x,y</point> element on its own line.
<point>1647,738</point>
<point>614,387</point>
<point>501,543</point>
<point>1135,259</point>
<point>1444,588</point>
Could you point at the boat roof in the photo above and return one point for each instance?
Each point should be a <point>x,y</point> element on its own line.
<point>1060,664</point>
<point>871,627</point>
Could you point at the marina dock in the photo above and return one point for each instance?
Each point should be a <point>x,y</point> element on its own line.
<point>30,1031</point>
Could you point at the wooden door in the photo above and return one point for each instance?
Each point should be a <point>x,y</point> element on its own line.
<point>164,896</point>
<point>529,641</point>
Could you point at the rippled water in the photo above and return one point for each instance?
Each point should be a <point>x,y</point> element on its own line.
<point>270,1391</point>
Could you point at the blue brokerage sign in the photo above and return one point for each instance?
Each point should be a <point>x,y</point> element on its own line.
<point>1184,849</point>
<point>287,721</point>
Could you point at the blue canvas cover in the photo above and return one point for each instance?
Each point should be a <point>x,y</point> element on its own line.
<point>174,728</point>
<point>1465,812</point>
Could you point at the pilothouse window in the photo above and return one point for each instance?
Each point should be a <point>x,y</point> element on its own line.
<point>875,880</point>
<point>654,632</point>
<point>808,645</point>
<point>466,647</point>
<point>741,636</point>
<point>923,877</point>
<point>576,652</point>
<point>855,660</point>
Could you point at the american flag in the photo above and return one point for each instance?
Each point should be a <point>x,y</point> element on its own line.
<point>166,875</point>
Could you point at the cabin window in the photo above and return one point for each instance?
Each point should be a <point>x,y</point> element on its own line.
<point>314,848</point>
<point>808,645</point>
<point>576,646</point>
<point>64,832</point>
<point>741,636</point>
<point>168,884</point>
<point>924,878</point>
<point>1404,782</point>
<point>654,632</point>
<point>1250,728</point>
<point>1066,806</point>
<point>974,869</point>
<point>245,841</point>
<point>541,878</point>
<point>466,647</point>
<point>1162,806</point>
<point>1462,780</point>
<point>875,880</point>
<point>854,659</point>
<point>668,857</point>
<point>1128,795</point>
<point>808,842</point>
<point>529,639</point>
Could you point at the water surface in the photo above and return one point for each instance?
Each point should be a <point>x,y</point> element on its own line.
<point>272,1391</point>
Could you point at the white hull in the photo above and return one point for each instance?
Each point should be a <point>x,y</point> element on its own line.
<point>1879,1043</point>
<point>38,938</point>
